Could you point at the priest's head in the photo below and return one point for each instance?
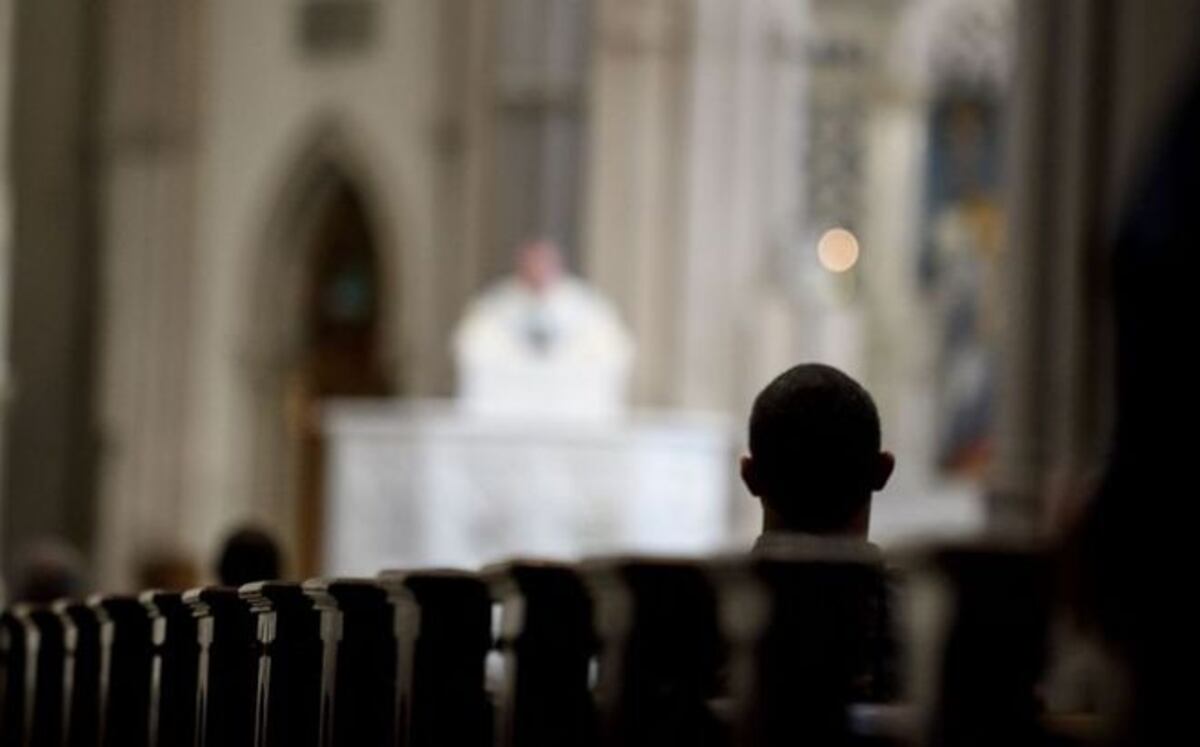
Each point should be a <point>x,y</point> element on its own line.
<point>539,264</point>
<point>815,456</point>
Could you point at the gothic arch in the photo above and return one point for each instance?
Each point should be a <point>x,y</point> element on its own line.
<point>328,178</point>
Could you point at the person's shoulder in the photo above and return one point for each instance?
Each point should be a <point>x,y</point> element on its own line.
<point>580,293</point>
<point>497,295</point>
<point>788,545</point>
<point>578,287</point>
<point>480,318</point>
<point>500,290</point>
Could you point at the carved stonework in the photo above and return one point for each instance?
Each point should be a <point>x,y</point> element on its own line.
<point>835,161</point>
<point>956,44</point>
<point>844,63</point>
<point>972,45</point>
<point>849,36</point>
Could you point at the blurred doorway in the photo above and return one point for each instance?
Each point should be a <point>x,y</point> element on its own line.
<point>340,353</point>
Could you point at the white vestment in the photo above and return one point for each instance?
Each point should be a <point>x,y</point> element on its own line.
<point>560,353</point>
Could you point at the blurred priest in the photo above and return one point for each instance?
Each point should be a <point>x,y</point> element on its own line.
<point>542,343</point>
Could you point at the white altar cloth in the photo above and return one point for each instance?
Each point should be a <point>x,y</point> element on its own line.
<point>425,484</point>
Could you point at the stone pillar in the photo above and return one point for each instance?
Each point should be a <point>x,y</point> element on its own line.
<point>7,57</point>
<point>465,150</point>
<point>637,145</point>
<point>50,440</point>
<point>897,355</point>
<point>148,123</point>
<point>1094,80</point>
<point>741,182</point>
<point>693,184</point>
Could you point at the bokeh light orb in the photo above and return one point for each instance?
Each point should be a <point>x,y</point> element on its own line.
<point>837,250</point>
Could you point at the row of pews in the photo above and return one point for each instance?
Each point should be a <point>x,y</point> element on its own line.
<point>785,649</point>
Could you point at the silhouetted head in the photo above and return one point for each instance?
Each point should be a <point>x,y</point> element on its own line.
<point>539,264</point>
<point>248,555</point>
<point>815,453</point>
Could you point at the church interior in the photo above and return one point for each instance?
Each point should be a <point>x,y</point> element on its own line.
<point>456,311</point>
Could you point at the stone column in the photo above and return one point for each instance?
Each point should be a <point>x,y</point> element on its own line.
<point>6,63</point>
<point>50,444</point>
<point>637,142</point>
<point>693,185</point>
<point>148,122</point>
<point>898,360</point>
<point>464,143</point>
<point>1094,80</point>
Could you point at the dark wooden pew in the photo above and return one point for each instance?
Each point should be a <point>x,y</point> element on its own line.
<point>362,673</point>
<point>823,646</point>
<point>227,668</point>
<point>174,669</point>
<point>81,673</point>
<point>292,707</point>
<point>443,635</point>
<point>125,657</point>
<point>48,658</point>
<point>662,654</point>
<point>16,670</point>
<point>548,642</point>
<point>985,666</point>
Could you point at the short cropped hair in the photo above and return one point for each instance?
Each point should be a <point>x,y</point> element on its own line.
<point>248,555</point>
<point>814,443</point>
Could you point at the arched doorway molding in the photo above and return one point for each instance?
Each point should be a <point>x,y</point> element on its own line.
<point>331,159</point>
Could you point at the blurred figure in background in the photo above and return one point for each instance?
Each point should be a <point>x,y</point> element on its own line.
<point>249,554</point>
<point>167,571</point>
<point>542,342</point>
<point>47,570</point>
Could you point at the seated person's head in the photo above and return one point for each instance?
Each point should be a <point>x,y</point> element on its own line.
<point>167,570</point>
<point>815,455</point>
<point>48,569</point>
<point>248,555</point>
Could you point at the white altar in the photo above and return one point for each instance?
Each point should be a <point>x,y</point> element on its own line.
<point>424,484</point>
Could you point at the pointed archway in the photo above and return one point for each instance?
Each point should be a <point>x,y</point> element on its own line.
<point>339,353</point>
<point>322,327</point>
